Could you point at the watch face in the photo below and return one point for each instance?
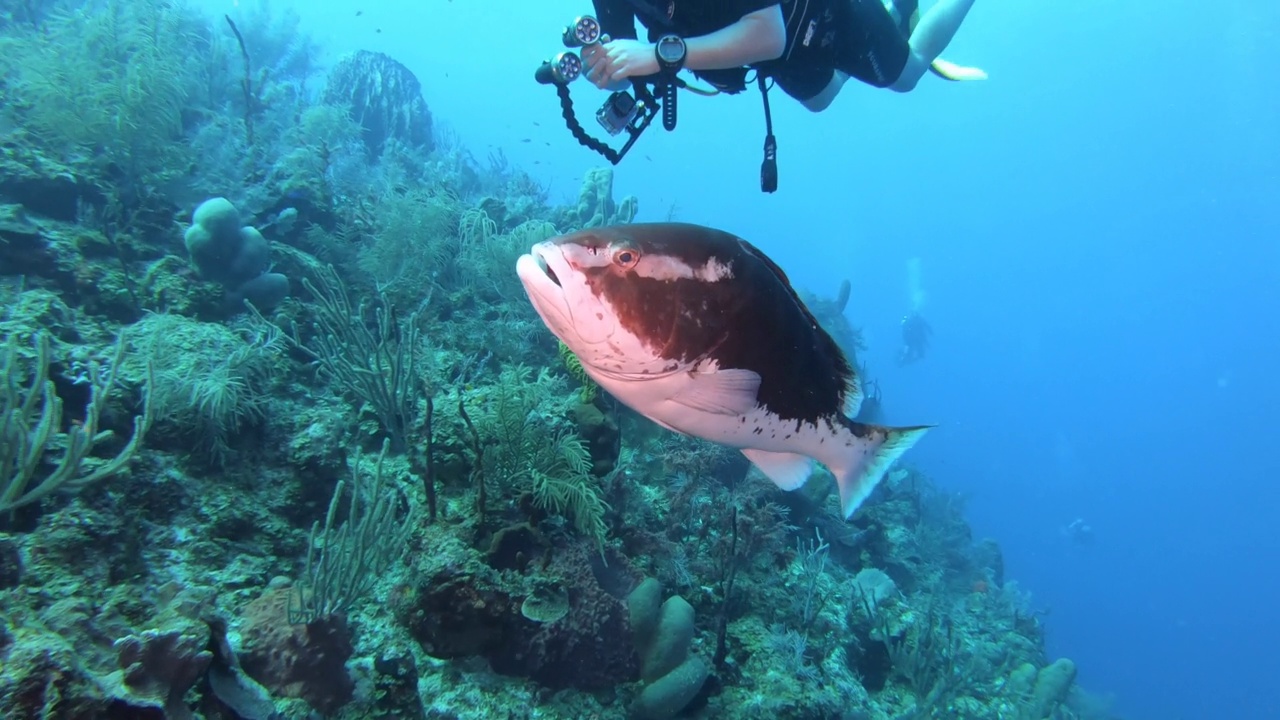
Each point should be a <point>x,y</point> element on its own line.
<point>671,49</point>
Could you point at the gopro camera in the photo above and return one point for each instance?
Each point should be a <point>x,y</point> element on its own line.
<point>618,112</point>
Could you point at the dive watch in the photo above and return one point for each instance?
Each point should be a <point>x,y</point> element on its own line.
<point>670,50</point>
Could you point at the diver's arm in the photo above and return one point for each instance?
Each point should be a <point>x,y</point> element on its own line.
<point>758,36</point>
<point>616,18</point>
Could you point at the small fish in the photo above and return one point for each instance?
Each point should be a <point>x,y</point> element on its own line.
<point>699,331</point>
<point>359,13</point>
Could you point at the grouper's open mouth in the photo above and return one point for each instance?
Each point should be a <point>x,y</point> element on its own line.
<point>561,294</point>
<point>551,274</point>
<point>534,264</point>
<point>544,289</point>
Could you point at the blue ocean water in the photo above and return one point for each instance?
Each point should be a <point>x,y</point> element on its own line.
<point>1094,235</point>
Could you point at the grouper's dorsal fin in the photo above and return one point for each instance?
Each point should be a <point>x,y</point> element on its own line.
<point>851,398</point>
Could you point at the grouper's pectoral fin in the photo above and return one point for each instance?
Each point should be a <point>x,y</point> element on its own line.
<point>787,470</point>
<point>720,392</point>
<point>872,450</point>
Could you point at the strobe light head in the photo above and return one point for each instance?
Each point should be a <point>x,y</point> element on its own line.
<point>583,31</point>
<point>560,70</point>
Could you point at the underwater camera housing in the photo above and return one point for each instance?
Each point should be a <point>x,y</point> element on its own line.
<point>623,111</point>
<point>618,112</point>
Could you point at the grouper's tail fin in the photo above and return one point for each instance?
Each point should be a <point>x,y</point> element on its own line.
<point>874,449</point>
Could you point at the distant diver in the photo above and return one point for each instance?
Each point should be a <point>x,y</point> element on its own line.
<point>810,49</point>
<point>1079,532</point>
<point>915,339</point>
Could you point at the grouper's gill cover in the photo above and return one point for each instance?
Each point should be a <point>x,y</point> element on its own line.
<point>699,331</point>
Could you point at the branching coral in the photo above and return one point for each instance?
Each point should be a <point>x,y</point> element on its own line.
<point>529,451</point>
<point>344,559</point>
<point>30,421</point>
<point>109,80</point>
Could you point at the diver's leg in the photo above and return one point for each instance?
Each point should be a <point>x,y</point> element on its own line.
<point>823,99</point>
<point>906,13</point>
<point>931,36</point>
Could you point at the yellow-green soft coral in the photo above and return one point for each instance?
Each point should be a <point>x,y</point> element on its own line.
<point>589,390</point>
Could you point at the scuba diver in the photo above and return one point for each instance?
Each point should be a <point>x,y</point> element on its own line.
<point>915,339</point>
<point>808,47</point>
<point>1079,532</point>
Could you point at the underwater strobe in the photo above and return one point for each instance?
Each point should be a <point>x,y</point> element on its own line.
<point>621,112</point>
<point>565,67</point>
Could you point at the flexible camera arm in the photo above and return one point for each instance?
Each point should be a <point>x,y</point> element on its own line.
<point>580,134</point>
<point>651,109</point>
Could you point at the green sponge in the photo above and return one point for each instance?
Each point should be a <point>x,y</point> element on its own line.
<point>669,694</point>
<point>234,255</point>
<point>671,640</point>
<point>663,635</point>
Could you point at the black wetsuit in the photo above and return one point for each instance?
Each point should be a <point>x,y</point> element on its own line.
<point>857,37</point>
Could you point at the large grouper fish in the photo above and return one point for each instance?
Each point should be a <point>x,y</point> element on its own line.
<point>700,332</point>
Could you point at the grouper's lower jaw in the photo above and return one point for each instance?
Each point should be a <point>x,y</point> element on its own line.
<point>545,293</point>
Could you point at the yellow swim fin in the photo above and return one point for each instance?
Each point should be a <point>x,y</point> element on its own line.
<point>948,70</point>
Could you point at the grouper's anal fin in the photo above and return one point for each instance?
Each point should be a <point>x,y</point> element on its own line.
<point>873,450</point>
<point>787,470</point>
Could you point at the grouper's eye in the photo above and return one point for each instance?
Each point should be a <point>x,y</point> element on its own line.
<point>626,258</point>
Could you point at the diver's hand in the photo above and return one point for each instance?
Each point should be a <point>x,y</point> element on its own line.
<point>616,60</point>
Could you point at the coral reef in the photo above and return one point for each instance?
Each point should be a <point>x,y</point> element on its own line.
<point>378,489</point>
